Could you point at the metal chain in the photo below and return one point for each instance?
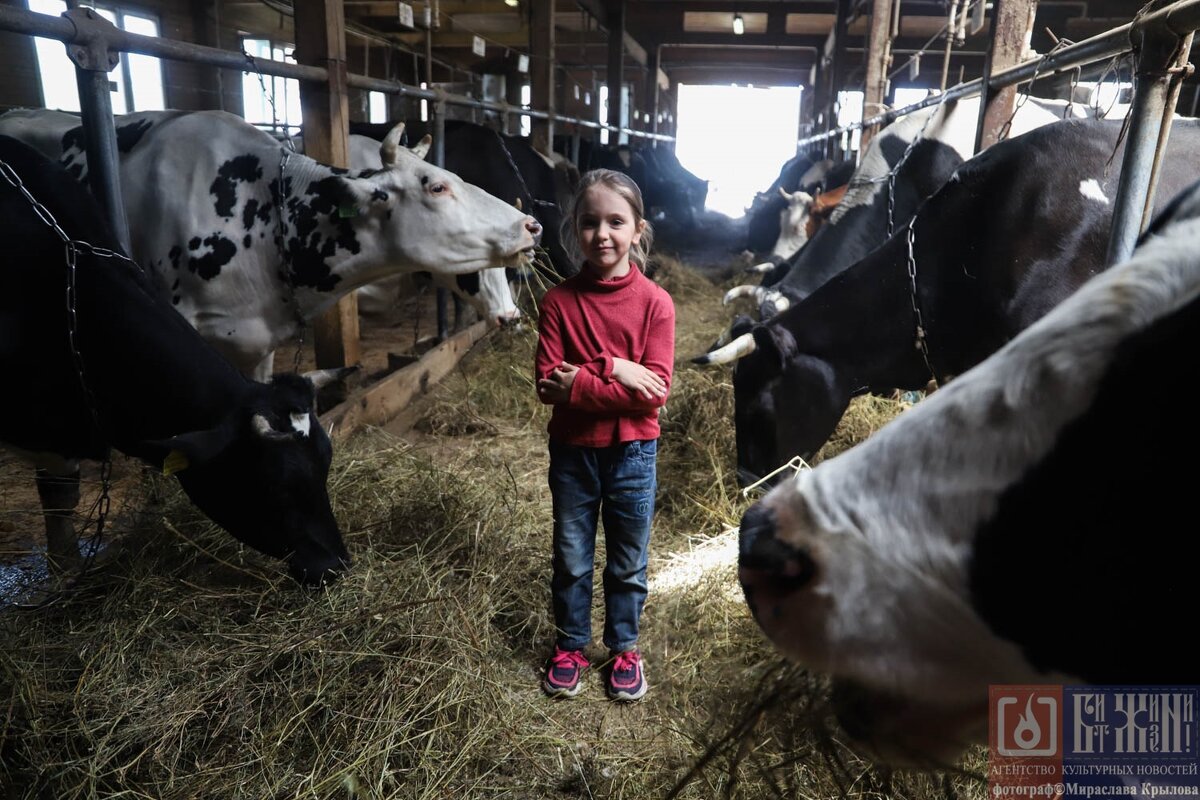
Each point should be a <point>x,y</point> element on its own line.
<point>1024,97</point>
<point>289,276</point>
<point>891,176</point>
<point>922,342</point>
<point>521,178</point>
<point>270,95</point>
<point>72,248</point>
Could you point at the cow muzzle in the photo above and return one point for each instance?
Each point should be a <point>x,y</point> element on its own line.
<point>318,573</point>
<point>769,569</point>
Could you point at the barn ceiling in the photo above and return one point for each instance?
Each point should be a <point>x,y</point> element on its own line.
<point>693,39</point>
<point>781,42</point>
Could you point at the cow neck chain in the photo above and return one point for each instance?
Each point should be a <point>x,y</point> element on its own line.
<point>521,178</point>
<point>890,178</point>
<point>289,275</point>
<point>922,341</point>
<point>72,248</point>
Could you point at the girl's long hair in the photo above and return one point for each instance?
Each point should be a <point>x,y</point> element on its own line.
<point>623,185</point>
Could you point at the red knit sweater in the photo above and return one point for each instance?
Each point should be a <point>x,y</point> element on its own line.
<point>587,322</point>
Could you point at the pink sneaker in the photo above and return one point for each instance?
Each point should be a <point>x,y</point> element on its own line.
<point>626,678</point>
<point>564,671</point>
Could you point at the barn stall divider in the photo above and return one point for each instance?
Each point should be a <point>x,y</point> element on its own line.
<point>93,44</point>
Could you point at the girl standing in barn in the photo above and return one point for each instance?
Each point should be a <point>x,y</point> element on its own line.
<point>606,344</point>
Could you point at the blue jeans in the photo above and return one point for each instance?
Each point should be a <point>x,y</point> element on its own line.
<point>615,484</point>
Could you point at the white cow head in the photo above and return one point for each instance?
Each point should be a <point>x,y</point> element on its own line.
<point>793,223</point>
<point>429,219</point>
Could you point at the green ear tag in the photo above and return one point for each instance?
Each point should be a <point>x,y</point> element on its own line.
<point>174,462</point>
<point>347,211</point>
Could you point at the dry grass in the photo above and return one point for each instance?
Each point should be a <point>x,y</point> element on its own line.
<point>191,668</point>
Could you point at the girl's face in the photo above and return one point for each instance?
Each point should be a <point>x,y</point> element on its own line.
<point>607,227</point>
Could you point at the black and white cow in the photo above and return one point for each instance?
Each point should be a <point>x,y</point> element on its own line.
<point>800,212</point>
<point>944,137</point>
<point>799,173</point>
<point>246,256</point>
<point>128,372</point>
<point>1014,232</point>
<point>1028,524</point>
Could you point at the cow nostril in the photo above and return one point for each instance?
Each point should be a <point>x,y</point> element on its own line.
<point>757,523</point>
<point>761,551</point>
<point>534,227</point>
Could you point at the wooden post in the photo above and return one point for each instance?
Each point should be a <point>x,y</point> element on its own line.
<point>541,66</point>
<point>653,67</point>
<point>321,41</point>
<point>615,77</point>
<point>1012,22</point>
<point>879,57</point>
<point>837,71</point>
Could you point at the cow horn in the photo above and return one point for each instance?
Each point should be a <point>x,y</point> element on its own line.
<point>784,194</point>
<point>738,348</point>
<point>517,203</point>
<point>421,148</point>
<point>761,269</point>
<point>320,378</point>
<point>262,427</point>
<point>387,150</point>
<point>745,290</point>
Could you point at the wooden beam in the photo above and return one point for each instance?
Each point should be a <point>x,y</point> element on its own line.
<point>381,401</point>
<point>615,76</point>
<point>541,66</point>
<point>1012,24</point>
<point>676,39</point>
<point>321,41</point>
<point>878,60</point>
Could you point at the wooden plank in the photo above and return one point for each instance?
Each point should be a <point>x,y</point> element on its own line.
<point>321,41</point>
<point>383,400</point>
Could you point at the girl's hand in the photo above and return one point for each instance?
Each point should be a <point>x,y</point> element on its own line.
<point>557,387</point>
<point>636,378</point>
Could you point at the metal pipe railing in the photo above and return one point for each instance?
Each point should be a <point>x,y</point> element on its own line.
<point>19,20</point>
<point>1162,40</point>
<point>1181,18</point>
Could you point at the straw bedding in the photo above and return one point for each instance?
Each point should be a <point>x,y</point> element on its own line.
<point>188,666</point>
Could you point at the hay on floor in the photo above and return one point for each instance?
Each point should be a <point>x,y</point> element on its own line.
<point>190,667</point>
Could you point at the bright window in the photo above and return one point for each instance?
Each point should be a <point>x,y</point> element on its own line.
<point>850,111</point>
<point>525,95</point>
<point>269,101</point>
<point>907,95</point>
<point>710,117</point>
<point>377,106</point>
<point>136,82</point>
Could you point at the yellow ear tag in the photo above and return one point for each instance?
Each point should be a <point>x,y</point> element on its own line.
<point>174,462</point>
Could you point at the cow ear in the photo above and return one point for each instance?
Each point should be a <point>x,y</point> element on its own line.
<point>421,148</point>
<point>775,342</point>
<point>195,447</point>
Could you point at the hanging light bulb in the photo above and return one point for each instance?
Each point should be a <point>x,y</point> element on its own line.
<point>739,25</point>
<point>512,3</point>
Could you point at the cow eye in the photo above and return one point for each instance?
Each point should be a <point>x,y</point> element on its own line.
<point>437,188</point>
